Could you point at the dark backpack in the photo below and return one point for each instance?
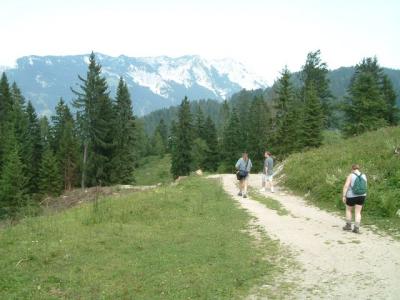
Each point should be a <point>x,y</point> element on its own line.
<point>360,185</point>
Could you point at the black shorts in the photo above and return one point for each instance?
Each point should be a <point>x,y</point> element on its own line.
<point>355,201</point>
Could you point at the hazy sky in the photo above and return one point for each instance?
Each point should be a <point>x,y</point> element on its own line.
<point>264,35</point>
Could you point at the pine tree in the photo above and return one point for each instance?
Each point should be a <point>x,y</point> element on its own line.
<point>20,118</point>
<point>65,145</point>
<point>232,142</point>
<point>141,140</point>
<point>13,193</point>
<point>163,131</point>
<point>32,149</point>
<point>223,117</point>
<point>5,99</point>
<point>172,145</point>
<point>259,131</point>
<point>287,108</point>
<point>96,119</point>
<point>59,119</point>
<point>315,72</point>
<point>212,156</point>
<point>125,135</point>
<point>182,150</point>
<point>389,95</point>
<point>45,135</point>
<point>157,145</point>
<point>198,153</point>
<point>365,108</point>
<point>285,94</point>
<point>67,156</point>
<point>199,124</point>
<point>313,118</point>
<point>5,114</point>
<point>49,174</point>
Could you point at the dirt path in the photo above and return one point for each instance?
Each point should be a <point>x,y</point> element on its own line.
<point>334,264</point>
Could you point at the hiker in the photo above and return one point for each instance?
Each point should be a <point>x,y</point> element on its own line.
<point>268,172</point>
<point>243,167</point>
<point>354,194</point>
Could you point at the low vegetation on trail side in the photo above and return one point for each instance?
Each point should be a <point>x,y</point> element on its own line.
<point>320,174</point>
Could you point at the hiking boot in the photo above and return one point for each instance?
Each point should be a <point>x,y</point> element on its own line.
<point>244,196</point>
<point>347,227</point>
<point>356,229</point>
<point>240,194</point>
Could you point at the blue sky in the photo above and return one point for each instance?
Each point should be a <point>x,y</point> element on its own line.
<point>264,35</point>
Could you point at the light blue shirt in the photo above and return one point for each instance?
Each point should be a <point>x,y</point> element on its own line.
<point>241,165</point>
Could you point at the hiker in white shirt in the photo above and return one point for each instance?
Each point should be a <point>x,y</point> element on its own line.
<point>354,195</point>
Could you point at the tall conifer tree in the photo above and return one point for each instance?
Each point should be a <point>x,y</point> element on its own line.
<point>13,192</point>
<point>259,131</point>
<point>182,150</point>
<point>313,118</point>
<point>96,120</point>
<point>33,148</point>
<point>365,108</point>
<point>232,141</point>
<point>125,156</point>
<point>315,72</point>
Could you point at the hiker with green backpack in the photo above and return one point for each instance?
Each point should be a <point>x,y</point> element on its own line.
<point>354,194</point>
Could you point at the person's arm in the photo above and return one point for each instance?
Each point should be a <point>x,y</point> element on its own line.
<point>346,188</point>
<point>237,164</point>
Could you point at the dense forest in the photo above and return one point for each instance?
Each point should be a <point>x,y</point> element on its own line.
<point>98,141</point>
<point>96,144</point>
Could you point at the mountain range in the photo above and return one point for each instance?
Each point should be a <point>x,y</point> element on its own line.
<point>154,82</point>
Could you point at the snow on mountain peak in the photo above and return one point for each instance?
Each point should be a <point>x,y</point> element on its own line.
<point>157,73</point>
<point>154,82</point>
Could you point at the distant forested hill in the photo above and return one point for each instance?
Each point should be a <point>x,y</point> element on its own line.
<point>339,81</point>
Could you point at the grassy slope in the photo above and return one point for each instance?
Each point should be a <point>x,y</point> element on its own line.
<point>153,170</point>
<point>177,242</point>
<point>322,173</point>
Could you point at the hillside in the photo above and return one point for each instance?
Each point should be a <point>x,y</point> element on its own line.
<point>320,174</point>
<point>154,82</point>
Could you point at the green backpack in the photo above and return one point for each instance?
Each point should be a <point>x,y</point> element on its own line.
<point>360,185</point>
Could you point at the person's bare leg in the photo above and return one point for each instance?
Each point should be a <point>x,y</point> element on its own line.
<point>240,187</point>
<point>263,183</point>
<point>245,182</point>
<point>348,218</point>
<point>357,217</point>
<point>271,185</point>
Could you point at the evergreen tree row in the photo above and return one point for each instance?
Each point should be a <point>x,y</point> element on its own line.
<point>42,157</point>
<point>292,120</point>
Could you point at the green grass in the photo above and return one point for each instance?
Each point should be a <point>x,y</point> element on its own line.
<point>168,243</point>
<point>153,170</point>
<point>322,172</point>
<point>268,202</point>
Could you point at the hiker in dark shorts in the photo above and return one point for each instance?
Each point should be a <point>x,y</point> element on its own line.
<point>354,195</point>
<point>243,167</point>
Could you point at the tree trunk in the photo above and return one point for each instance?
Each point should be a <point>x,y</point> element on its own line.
<point>85,146</point>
